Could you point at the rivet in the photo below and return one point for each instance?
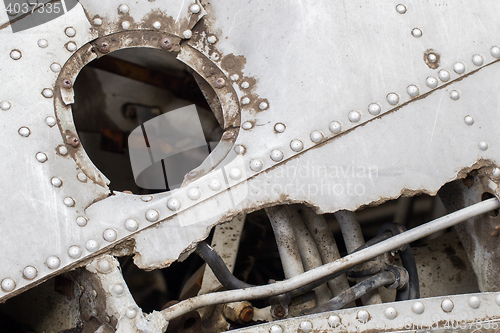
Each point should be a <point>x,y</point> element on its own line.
<point>496,173</point>
<point>30,272</point>
<point>227,135</point>
<point>392,98</point>
<point>62,150</point>
<point>247,125</point>
<point>103,47</point>
<point>263,105</point>
<point>126,25</point>
<point>15,54</point>
<point>53,262</point>
<point>24,131</point>
<point>156,25</point>
<point>118,289</point>
<point>235,77</point>
<point>245,85</point>
<point>334,321</point>
<point>390,313</point>
<point>109,235</point>
<point>67,84</point>
<point>152,215</point>
<point>74,141</point>
<point>124,9</point>
<point>131,225</point>
<point>447,305</point>
<point>401,9</point>
<point>432,57</point>
<point>431,82</point>
<point>55,67</point>
<point>146,198</point>
<point>8,284</point>
<point>279,127</point>
<point>41,157</point>
<point>316,136</point>
<point>68,201</point>
<point>56,182</point>
<point>173,204</point>
<point>215,184</point>
<point>335,127</point>
<point>276,155</point>
<point>275,329</point>
<point>70,32</point>
<point>235,173</point>
<point>444,75</point>
<point>469,120</point>
<point>255,165</point>
<point>104,266</point>
<point>92,245</point>
<point>81,221</point>
<point>75,252</point>
<point>219,82</point>
<point>497,300</point>
<point>239,149</point>
<point>354,116</point>
<point>477,60</point>
<point>483,145</point>
<point>71,46</point>
<point>194,8</point>
<point>5,105</point>
<point>305,326</point>
<point>495,52</point>
<point>474,302</point>
<point>245,100</point>
<point>51,121</point>
<point>47,93</point>
<point>296,145</point>
<point>418,307</point>
<point>459,68</point>
<point>194,193</point>
<point>454,95</point>
<point>417,33</point>
<point>97,21</point>
<point>212,40</point>
<point>187,34</point>
<point>412,90</point>
<point>81,177</point>
<point>374,109</point>
<point>130,313</point>
<point>43,43</point>
<point>363,316</point>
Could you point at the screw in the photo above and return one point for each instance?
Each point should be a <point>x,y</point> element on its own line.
<point>227,135</point>
<point>74,142</point>
<point>247,314</point>
<point>279,312</point>
<point>192,174</point>
<point>67,84</point>
<point>219,82</point>
<point>104,47</point>
<point>166,44</point>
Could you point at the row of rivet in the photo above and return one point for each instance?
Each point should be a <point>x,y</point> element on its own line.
<point>390,313</point>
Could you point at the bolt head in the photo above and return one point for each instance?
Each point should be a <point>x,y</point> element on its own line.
<point>104,47</point>
<point>166,44</point>
<point>66,83</point>
<point>219,83</point>
<point>74,142</point>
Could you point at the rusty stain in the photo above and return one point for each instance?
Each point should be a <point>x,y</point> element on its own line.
<point>430,63</point>
<point>246,314</point>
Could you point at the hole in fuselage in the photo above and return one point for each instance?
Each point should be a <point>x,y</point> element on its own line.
<point>120,92</point>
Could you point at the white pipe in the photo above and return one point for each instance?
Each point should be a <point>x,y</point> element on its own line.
<point>333,267</point>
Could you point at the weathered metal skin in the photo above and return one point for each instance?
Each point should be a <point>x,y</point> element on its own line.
<point>289,64</point>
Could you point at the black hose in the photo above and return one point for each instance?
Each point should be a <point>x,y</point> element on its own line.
<point>409,264</point>
<point>219,268</point>
<point>371,283</point>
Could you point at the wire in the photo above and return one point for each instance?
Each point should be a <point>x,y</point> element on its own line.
<point>333,267</point>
